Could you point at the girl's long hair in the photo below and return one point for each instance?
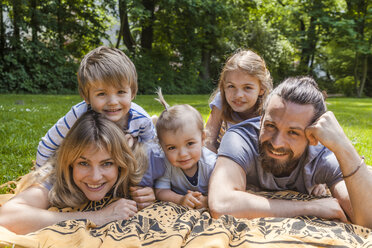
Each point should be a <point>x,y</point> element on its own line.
<point>252,64</point>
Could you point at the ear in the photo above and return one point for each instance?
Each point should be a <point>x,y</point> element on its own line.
<point>262,92</point>
<point>86,100</point>
<point>204,136</point>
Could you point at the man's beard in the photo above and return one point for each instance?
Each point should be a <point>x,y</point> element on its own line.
<point>275,166</point>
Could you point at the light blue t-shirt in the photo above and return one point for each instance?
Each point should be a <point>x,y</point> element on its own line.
<point>175,179</point>
<point>156,164</point>
<point>240,144</point>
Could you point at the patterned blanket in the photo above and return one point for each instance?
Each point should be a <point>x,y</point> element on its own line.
<point>169,225</point>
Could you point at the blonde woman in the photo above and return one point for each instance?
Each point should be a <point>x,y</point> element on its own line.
<point>93,161</point>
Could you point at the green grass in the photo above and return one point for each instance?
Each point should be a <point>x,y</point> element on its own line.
<point>24,119</point>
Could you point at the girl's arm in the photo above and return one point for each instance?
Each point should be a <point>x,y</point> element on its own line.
<point>189,200</point>
<point>27,212</point>
<point>212,129</point>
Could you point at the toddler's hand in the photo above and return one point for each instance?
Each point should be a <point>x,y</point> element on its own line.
<point>190,199</point>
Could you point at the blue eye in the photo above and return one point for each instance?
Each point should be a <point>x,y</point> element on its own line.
<point>122,92</point>
<point>107,164</point>
<point>101,94</point>
<point>171,148</point>
<point>190,143</point>
<point>83,163</point>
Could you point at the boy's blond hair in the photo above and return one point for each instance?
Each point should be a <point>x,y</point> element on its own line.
<point>108,66</point>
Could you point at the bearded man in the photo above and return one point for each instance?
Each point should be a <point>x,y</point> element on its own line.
<point>279,151</point>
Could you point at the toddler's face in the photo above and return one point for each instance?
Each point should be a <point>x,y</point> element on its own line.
<point>183,148</point>
<point>242,91</point>
<point>114,103</point>
<point>95,173</point>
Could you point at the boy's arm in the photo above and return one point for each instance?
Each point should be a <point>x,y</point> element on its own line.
<point>53,138</point>
<point>212,129</point>
<point>227,195</point>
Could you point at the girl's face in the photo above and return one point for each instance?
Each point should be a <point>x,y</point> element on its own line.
<point>241,92</point>
<point>95,172</point>
<point>183,148</point>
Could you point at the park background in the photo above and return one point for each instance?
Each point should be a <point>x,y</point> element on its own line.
<point>181,46</point>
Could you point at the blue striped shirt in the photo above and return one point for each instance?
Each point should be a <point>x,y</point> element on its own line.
<point>139,125</point>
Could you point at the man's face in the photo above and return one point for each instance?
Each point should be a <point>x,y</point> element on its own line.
<point>282,138</point>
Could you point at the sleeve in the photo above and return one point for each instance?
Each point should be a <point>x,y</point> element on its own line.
<point>164,182</point>
<point>147,130</point>
<point>53,138</point>
<point>216,102</point>
<point>328,169</point>
<point>236,148</point>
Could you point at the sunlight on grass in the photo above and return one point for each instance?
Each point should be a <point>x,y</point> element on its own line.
<point>24,119</point>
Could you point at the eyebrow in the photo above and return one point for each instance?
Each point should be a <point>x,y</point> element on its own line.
<point>107,159</point>
<point>293,128</point>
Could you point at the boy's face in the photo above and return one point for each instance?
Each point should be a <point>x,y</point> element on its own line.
<point>114,103</point>
<point>183,148</point>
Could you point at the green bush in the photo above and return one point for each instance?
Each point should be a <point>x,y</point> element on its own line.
<point>345,85</point>
<point>37,69</point>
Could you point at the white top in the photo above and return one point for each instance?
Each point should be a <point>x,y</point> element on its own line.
<point>139,125</point>
<point>175,179</point>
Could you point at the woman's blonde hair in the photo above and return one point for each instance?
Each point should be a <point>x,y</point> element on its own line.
<point>176,117</point>
<point>91,129</point>
<point>252,64</point>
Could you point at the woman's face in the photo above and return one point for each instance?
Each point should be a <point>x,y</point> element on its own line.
<point>95,172</point>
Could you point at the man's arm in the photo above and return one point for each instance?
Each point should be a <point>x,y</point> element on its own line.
<point>328,131</point>
<point>227,195</point>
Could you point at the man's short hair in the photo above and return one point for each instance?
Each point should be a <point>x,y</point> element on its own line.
<point>300,90</point>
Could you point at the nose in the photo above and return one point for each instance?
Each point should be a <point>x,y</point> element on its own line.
<point>238,93</point>
<point>96,174</point>
<point>113,100</point>
<point>278,141</point>
<point>182,152</point>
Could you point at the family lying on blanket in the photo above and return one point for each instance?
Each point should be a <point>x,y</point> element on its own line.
<point>281,139</point>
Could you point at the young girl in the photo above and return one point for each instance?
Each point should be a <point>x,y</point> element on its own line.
<point>244,84</point>
<point>93,161</point>
<point>188,163</point>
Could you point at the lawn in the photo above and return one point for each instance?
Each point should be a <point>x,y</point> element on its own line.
<point>24,119</point>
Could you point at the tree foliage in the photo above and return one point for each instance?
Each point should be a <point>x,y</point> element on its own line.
<point>181,45</point>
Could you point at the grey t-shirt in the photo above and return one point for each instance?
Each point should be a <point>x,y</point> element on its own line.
<point>175,179</point>
<point>240,144</point>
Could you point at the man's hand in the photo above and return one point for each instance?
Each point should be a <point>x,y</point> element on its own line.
<point>122,209</point>
<point>327,208</point>
<point>327,131</point>
<point>144,196</point>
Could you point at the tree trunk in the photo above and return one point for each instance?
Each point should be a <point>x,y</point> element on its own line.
<point>2,30</point>
<point>34,19</point>
<point>364,76</point>
<point>61,39</point>
<point>206,60</point>
<point>16,23</point>
<point>147,26</point>
<point>124,28</point>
